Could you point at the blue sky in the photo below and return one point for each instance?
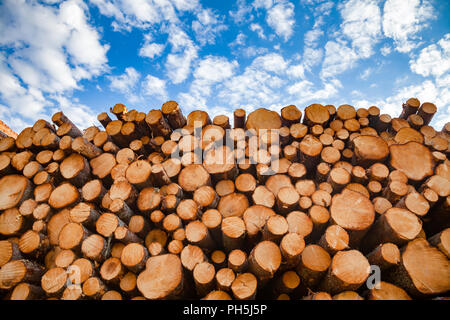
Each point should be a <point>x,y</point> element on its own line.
<point>82,57</point>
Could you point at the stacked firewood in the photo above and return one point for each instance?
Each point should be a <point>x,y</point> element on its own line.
<point>324,203</point>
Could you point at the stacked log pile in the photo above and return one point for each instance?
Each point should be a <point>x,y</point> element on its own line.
<point>308,204</point>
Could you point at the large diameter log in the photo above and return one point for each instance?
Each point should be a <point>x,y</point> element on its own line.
<point>14,189</point>
<point>265,260</point>
<point>314,263</point>
<point>396,225</point>
<point>263,119</point>
<point>413,159</point>
<point>193,177</point>
<point>369,149</point>
<point>316,114</point>
<point>348,271</point>
<point>155,282</point>
<point>353,212</point>
<point>76,169</point>
<point>423,270</point>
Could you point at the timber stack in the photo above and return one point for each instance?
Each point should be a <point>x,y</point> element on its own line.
<point>306,204</point>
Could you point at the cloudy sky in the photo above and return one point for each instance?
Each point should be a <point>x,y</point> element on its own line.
<point>82,57</point>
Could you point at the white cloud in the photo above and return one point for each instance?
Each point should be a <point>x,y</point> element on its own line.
<point>296,71</point>
<point>272,62</point>
<point>312,36</point>
<point>49,56</point>
<point>151,50</point>
<point>402,20</point>
<point>243,12</point>
<point>184,52</point>
<point>281,18</point>
<point>366,73</point>
<point>255,27</point>
<point>386,50</point>
<point>126,83</point>
<point>304,91</point>
<point>154,86</point>
<point>434,59</point>
<point>338,58</point>
<point>207,26</point>
<point>210,71</point>
<point>361,24</point>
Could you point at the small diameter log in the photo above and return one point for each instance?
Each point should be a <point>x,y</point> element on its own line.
<point>53,282</point>
<point>203,275</point>
<point>310,149</point>
<point>94,248</point>
<point>233,233</point>
<point>156,283</point>
<point>94,288</point>
<point>396,225</point>
<point>104,119</point>
<point>387,291</point>
<point>263,196</point>
<point>64,195</point>
<point>111,271</point>
<point>414,202</point>
<point>11,222</point>
<point>348,271</point>
<point>410,107</point>
<point>14,189</point>
<point>276,227</point>
<point>124,235</point>
<point>157,123</point>
<point>395,191</point>
<point>225,278</point>
<point>9,251</point>
<point>119,110</point>
<point>26,291</point>
<point>218,259</point>
<point>287,199</point>
<point>84,147</point>
<point>338,178</point>
<point>17,271</point>
<point>353,212</point>
<point>291,247</point>
<point>237,261</point>
<point>239,118</point>
<point>442,241</point>
<point>198,234</point>
<point>313,265</point>
<point>93,191</point>
<point>427,110</point>
<point>75,168</point>
<point>265,260</point>
<point>386,255</point>
<point>244,286</point>
<point>206,197</point>
<point>134,257</point>
<point>286,283</point>
<point>334,239</point>
<point>107,223</point>
<point>72,235</point>
<point>418,256</point>
<point>33,244</point>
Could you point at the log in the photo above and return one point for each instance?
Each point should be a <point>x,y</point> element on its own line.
<point>386,255</point>
<point>348,271</point>
<point>313,265</point>
<point>244,286</point>
<point>410,275</point>
<point>413,159</point>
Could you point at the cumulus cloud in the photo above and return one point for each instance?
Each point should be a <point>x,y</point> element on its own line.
<point>151,50</point>
<point>255,27</point>
<point>207,26</point>
<point>402,20</point>
<point>279,16</point>
<point>126,83</point>
<point>339,57</point>
<point>433,60</point>
<point>48,55</point>
<point>154,86</point>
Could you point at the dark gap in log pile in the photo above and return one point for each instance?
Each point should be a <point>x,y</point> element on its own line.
<point>313,204</point>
